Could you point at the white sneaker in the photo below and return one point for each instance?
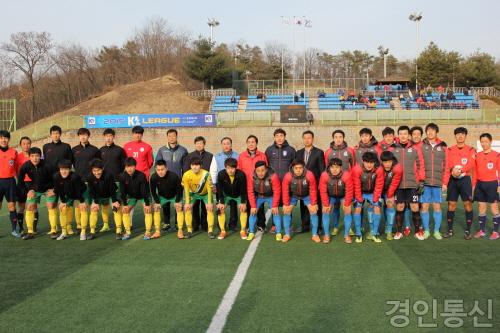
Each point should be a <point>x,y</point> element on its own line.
<point>83,237</point>
<point>62,236</point>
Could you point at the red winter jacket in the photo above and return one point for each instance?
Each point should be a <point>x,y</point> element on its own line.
<point>246,162</point>
<point>357,174</point>
<point>286,190</point>
<point>344,177</point>
<point>253,181</point>
<point>392,180</point>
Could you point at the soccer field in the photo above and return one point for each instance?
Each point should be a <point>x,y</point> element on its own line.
<point>171,285</point>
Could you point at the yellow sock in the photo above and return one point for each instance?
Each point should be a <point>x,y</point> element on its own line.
<point>105,215</point>
<point>210,221</point>
<point>118,221</point>
<point>126,222</point>
<point>53,220</point>
<point>94,216</point>
<point>148,221</point>
<point>69,216</point>
<point>243,220</point>
<point>180,220</point>
<point>30,220</point>
<point>78,217</point>
<point>221,218</point>
<point>84,220</point>
<point>63,220</point>
<point>157,221</point>
<point>189,220</point>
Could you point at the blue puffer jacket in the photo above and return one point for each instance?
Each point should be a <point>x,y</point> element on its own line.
<point>221,157</point>
<point>280,158</point>
<point>174,157</point>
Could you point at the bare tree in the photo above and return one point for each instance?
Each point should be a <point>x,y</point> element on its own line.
<point>29,52</point>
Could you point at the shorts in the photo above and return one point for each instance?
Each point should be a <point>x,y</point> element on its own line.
<point>8,189</point>
<point>432,194</point>
<point>459,187</point>
<point>101,201</point>
<point>22,193</point>
<point>336,201</point>
<point>367,197</point>
<point>295,200</point>
<point>38,197</point>
<point>227,199</point>
<point>486,191</point>
<point>406,195</point>
<point>164,201</point>
<point>260,201</point>
<point>196,196</point>
<point>131,202</point>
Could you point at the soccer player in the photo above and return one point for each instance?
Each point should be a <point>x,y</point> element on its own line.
<point>166,189</point>
<point>461,165</point>
<point>69,187</point>
<point>412,182</point>
<point>22,157</point>
<point>487,186</point>
<point>139,150</point>
<point>388,142</point>
<point>434,152</point>
<point>368,181</point>
<point>56,150</point>
<point>134,187</point>
<point>231,186</point>
<point>392,177</point>
<point>280,154</point>
<point>41,182</point>
<point>103,191</point>
<point>83,153</point>
<point>367,143</point>
<point>336,188</point>
<point>300,184</point>
<point>263,187</point>
<point>416,133</point>
<point>197,185</point>
<point>8,186</point>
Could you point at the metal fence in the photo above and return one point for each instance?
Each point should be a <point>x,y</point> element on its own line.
<point>8,114</point>
<point>208,93</point>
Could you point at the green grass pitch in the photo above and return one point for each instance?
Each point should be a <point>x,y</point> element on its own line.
<point>168,285</point>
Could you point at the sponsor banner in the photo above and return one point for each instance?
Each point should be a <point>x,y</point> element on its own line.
<point>151,120</point>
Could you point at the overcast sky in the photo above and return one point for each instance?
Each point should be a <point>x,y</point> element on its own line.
<point>464,26</point>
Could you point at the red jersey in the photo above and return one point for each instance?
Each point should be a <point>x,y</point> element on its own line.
<point>142,153</point>
<point>487,166</point>
<point>464,156</point>
<point>21,159</point>
<point>8,167</point>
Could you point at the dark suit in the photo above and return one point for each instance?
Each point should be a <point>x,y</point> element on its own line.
<point>316,164</point>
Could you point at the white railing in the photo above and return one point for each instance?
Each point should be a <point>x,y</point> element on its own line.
<point>208,93</point>
<point>488,91</point>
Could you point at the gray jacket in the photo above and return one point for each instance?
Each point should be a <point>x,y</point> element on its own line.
<point>174,158</point>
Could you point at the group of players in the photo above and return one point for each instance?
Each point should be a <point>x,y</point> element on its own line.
<point>396,180</point>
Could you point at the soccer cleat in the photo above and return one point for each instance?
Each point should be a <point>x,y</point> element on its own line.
<point>437,235</point>
<point>118,237</point>
<point>279,237</point>
<point>376,239</point>
<point>211,235</point>
<point>83,237</point>
<point>243,234</point>
<point>348,240</point>
<point>15,234</point>
<point>104,228</point>
<point>359,239</point>
<point>426,234</point>
<point>326,239</point>
<point>250,236</point>
<point>222,235</point>
<point>147,236</point>
<point>126,237</point>
<point>53,235</point>
<point>398,235</point>
<point>335,231</point>
<point>263,230</point>
<point>70,231</point>
<point>91,236</point>
<point>467,235</point>
<point>28,236</point>
<point>165,227</point>
<point>389,236</point>
<point>62,236</point>
<point>494,235</point>
<point>273,230</point>
<point>448,234</point>
<point>286,238</point>
<point>421,235</point>
<point>316,239</point>
<point>188,235</point>
<point>369,236</point>
<point>156,235</point>
<point>351,232</point>
<point>180,234</point>
<point>407,231</point>
<point>479,234</point>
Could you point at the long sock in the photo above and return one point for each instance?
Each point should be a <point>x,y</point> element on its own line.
<point>425,221</point>
<point>69,216</point>
<point>468,220</point>
<point>287,221</point>
<point>325,221</point>
<point>20,218</point>
<point>336,216</point>
<point>63,220</point>
<point>210,221</point>
<point>252,221</point>
<point>30,221</point>
<point>314,224</point>
<point>221,218</point>
<point>188,217</point>
<point>370,217</point>
<point>180,220</point>
<point>482,222</point>
<point>53,220</point>
<point>376,223</point>
<point>157,221</point>
<point>148,221</point>
<point>84,220</point>
<point>347,224</point>
<point>390,215</point>
<point>357,223</point>
<point>416,218</point>
<point>450,217</point>
<point>400,216</point>
<point>94,216</point>
<point>243,221</point>
<point>78,217</point>
<point>438,216</point>
<point>105,215</point>
<point>13,220</point>
<point>496,220</point>
<point>277,223</point>
<point>407,214</point>
<point>126,223</point>
<point>117,216</point>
